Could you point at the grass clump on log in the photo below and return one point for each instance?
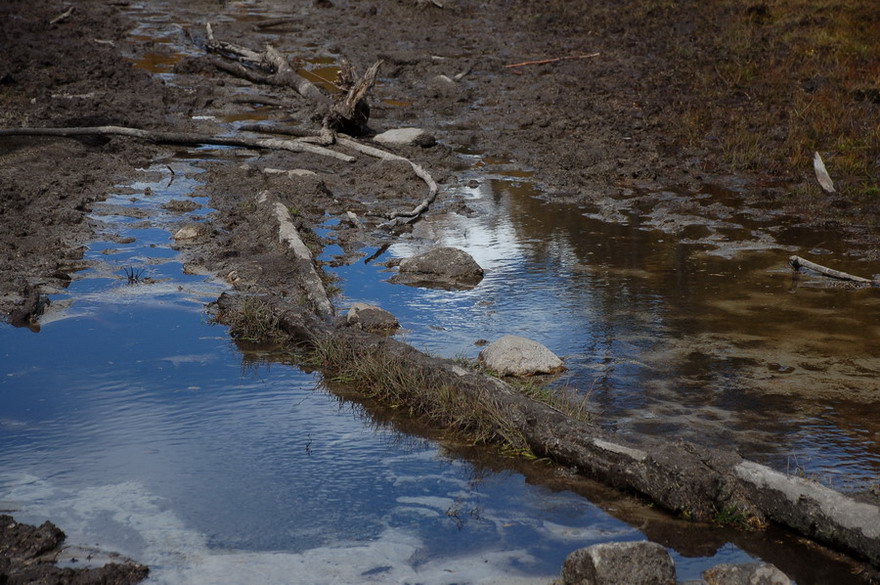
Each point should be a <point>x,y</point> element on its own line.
<point>428,392</point>
<point>255,320</point>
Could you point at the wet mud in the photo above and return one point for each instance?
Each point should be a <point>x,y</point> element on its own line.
<point>28,555</point>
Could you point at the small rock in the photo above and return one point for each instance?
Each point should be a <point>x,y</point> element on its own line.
<point>181,205</point>
<point>371,318</point>
<point>406,136</point>
<point>633,563</point>
<point>749,574</point>
<point>440,267</point>
<point>513,355</point>
<point>189,232</point>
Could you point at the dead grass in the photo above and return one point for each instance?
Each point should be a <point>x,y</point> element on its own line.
<point>254,321</point>
<point>396,381</point>
<point>785,78</point>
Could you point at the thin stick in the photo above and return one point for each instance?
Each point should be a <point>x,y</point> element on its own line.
<point>554,60</point>
<point>276,22</point>
<point>179,138</point>
<point>62,16</point>
<point>798,262</point>
<point>433,189</point>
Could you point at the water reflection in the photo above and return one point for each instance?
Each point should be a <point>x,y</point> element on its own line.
<point>668,338</point>
<point>136,425</point>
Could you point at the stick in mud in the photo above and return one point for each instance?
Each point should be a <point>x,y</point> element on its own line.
<point>183,138</point>
<point>797,262</point>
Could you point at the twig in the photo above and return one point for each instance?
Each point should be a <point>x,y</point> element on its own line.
<point>797,262</point>
<point>179,138</point>
<point>418,210</point>
<point>275,22</point>
<point>554,60</point>
<point>62,16</point>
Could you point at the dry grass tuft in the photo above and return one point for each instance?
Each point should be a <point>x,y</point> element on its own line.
<point>399,381</point>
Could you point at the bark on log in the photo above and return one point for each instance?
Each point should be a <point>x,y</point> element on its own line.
<point>182,138</point>
<point>700,483</point>
<point>797,262</point>
<point>288,234</point>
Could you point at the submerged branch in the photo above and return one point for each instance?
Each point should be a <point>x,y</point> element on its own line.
<point>797,262</point>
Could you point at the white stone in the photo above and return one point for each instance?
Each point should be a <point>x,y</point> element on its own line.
<point>406,136</point>
<point>513,355</point>
<point>187,232</point>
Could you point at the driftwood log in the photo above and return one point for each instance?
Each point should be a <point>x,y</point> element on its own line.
<point>347,111</point>
<point>697,482</point>
<point>797,263</point>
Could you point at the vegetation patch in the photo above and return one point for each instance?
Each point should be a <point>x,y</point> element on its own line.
<point>385,374</point>
<point>254,320</point>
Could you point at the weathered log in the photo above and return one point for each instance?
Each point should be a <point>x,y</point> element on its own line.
<point>351,112</point>
<point>183,138</point>
<point>288,234</point>
<point>697,482</point>
<point>797,262</point>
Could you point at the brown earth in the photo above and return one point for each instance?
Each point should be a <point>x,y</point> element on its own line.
<point>28,554</point>
<point>610,130</point>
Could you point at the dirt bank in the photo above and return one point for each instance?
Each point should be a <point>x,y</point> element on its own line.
<point>28,555</point>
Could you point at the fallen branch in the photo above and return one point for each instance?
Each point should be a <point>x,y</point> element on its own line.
<point>553,60</point>
<point>349,142</point>
<point>62,16</point>
<point>797,262</point>
<point>182,138</point>
<point>272,22</point>
<point>288,234</point>
<point>433,189</point>
<point>230,50</point>
<point>271,67</point>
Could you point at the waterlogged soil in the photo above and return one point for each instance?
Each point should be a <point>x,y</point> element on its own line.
<point>28,555</point>
<point>595,129</point>
<point>592,130</point>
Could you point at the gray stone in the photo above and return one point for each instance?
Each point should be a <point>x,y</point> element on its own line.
<point>513,355</point>
<point>440,268</point>
<point>749,574</point>
<point>371,318</point>
<point>406,136</point>
<point>616,563</point>
<point>190,232</point>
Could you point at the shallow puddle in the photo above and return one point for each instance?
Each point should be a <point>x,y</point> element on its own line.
<point>139,427</point>
<point>667,337</point>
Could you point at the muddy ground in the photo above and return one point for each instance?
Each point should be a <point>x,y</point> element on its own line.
<point>28,555</point>
<point>603,130</point>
